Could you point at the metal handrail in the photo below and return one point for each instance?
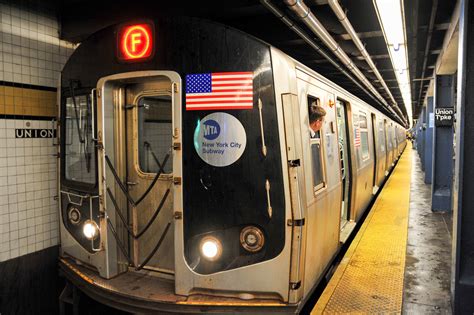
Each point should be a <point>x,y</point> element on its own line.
<point>152,219</point>
<point>122,186</point>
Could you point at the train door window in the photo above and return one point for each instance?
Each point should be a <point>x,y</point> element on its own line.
<point>80,160</point>
<point>317,157</point>
<point>154,133</point>
<point>381,136</point>
<point>391,133</point>
<point>389,140</point>
<point>364,136</point>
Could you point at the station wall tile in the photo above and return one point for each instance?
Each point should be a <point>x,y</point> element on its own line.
<point>31,58</point>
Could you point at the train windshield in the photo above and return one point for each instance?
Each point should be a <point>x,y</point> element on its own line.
<point>79,148</point>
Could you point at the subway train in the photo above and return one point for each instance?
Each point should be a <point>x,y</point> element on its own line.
<point>189,178</point>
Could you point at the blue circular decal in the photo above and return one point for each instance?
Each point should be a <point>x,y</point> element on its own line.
<point>219,139</point>
<point>211,129</point>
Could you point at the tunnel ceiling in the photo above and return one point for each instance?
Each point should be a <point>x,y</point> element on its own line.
<point>427,22</point>
<point>80,18</point>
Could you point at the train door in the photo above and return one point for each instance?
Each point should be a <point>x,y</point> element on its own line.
<point>376,154</point>
<point>344,157</point>
<point>140,116</point>
<point>388,158</point>
<point>393,143</point>
<point>149,170</point>
<point>395,138</point>
<point>383,152</point>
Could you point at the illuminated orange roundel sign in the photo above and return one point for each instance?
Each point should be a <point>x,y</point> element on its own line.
<point>135,42</point>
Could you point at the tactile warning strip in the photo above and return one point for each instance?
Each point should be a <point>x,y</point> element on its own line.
<point>369,278</point>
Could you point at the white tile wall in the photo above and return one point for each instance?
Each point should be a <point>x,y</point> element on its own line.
<point>28,209</point>
<point>30,49</point>
<point>30,53</point>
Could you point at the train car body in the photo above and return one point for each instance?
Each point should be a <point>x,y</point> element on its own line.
<point>189,180</point>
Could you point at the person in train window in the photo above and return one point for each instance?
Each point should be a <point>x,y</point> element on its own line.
<point>316,118</point>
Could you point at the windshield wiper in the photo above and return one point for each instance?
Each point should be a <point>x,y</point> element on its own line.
<point>71,88</point>
<point>87,154</point>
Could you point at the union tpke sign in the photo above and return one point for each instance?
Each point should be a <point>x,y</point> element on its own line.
<point>444,117</point>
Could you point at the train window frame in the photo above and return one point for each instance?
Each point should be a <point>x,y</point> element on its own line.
<point>317,139</point>
<point>364,130</point>
<point>391,136</point>
<point>381,132</point>
<point>64,180</point>
<point>136,151</point>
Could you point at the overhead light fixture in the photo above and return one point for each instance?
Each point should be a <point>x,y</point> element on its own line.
<point>391,17</point>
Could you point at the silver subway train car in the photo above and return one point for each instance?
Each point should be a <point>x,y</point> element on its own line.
<point>189,181</point>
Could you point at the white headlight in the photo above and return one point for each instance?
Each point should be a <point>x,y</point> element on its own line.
<point>211,248</point>
<point>90,230</point>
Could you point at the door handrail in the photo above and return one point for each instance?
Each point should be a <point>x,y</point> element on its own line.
<point>152,219</point>
<point>125,190</point>
<point>124,252</point>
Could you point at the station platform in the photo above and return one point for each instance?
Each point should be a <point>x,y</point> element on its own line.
<point>399,262</point>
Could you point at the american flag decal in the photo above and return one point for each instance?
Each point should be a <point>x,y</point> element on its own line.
<point>220,90</point>
<point>357,137</point>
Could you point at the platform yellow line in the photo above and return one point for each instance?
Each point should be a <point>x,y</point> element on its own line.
<point>369,278</point>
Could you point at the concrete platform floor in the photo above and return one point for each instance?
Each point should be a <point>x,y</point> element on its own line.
<point>428,256</point>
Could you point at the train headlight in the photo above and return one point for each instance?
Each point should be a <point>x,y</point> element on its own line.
<point>211,248</point>
<point>252,239</point>
<point>90,230</point>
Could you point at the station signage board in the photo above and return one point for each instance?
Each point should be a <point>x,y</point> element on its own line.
<point>26,133</point>
<point>444,117</point>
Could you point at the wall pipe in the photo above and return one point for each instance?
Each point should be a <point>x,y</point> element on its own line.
<point>307,17</point>
<point>272,8</point>
<point>341,15</point>
<point>313,44</point>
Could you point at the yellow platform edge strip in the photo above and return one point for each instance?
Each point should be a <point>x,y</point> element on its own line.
<point>366,270</point>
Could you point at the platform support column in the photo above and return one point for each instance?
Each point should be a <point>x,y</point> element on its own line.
<point>419,134</point>
<point>442,172</point>
<point>462,284</point>
<point>421,137</point>
<point>428,145</point>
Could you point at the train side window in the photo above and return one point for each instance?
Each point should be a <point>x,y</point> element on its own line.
<point>317,157</point>
<point>154,133</point>
<point>364,136</point>
<point>381,137</point>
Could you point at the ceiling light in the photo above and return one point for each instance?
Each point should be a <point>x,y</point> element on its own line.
<point>392,20</point>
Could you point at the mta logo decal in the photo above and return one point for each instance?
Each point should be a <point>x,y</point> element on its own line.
<point>212,129</point>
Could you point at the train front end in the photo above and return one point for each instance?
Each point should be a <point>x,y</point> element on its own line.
<point>172,188</point>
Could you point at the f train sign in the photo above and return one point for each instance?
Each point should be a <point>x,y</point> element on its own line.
<point>35,133</point>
